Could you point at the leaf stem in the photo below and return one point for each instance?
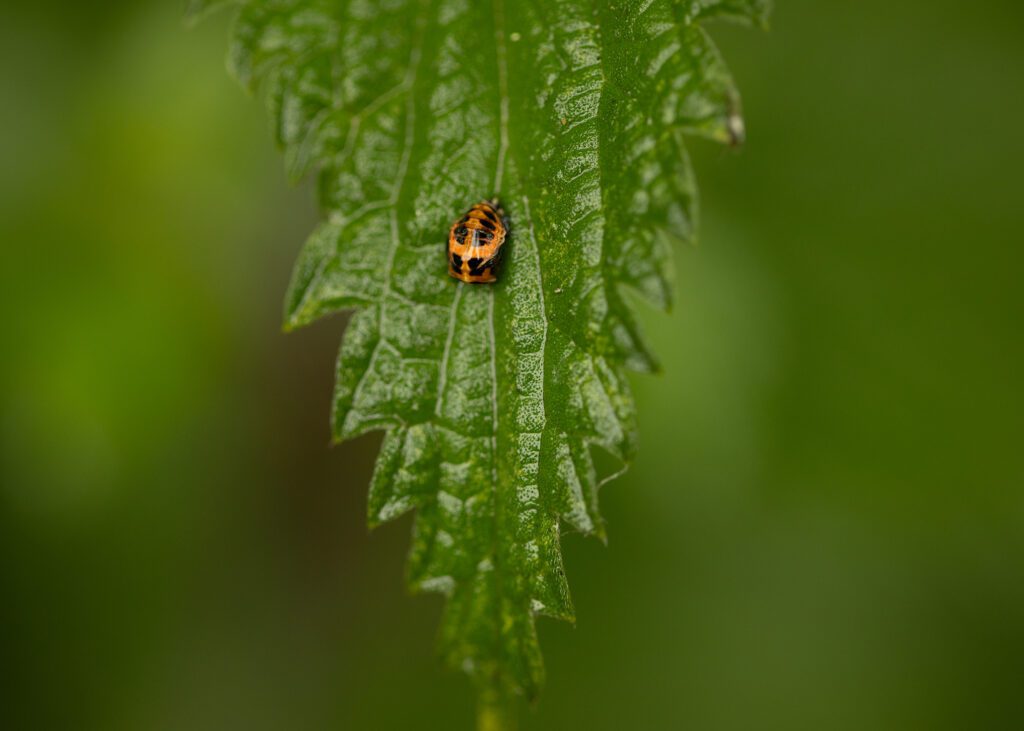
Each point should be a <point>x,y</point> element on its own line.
<point>496,712</point>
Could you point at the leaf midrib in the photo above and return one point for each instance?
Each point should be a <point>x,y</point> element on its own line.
<point>498,13</point>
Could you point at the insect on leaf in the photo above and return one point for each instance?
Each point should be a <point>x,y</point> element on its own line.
<point>492,398</point>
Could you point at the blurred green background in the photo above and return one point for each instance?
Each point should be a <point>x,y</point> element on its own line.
<point>825,527</point>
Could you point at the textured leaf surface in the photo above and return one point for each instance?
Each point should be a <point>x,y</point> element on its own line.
<point>492,397</point>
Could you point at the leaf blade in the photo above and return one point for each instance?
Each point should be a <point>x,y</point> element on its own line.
<point>492,398</point>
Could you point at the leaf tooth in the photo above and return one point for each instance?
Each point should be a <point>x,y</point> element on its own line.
<point>358,349</point>
<point>749,12</point>
<point>382,483</point>
<point>550,590</point>
<point>338,268</point>
<point>647,267</point>
<point>420,573</point>
<point>300,307</point>
<point>630,345</point>
<point>707,103</point>
<point>583,461</point>
<point>405,473</point>
<point>568,485</point>
<point>620,397</point>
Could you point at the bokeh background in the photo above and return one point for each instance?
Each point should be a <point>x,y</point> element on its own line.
<point>825,527</point>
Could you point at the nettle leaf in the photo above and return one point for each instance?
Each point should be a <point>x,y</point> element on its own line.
<point>492,397</point>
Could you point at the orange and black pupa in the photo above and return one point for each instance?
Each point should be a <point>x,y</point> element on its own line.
<point>475,243</point>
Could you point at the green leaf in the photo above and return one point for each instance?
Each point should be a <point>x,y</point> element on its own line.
<point>493,398</point>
